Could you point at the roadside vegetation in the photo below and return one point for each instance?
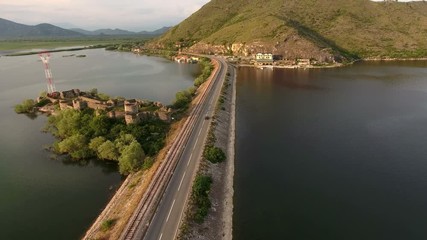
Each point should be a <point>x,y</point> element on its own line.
<point>184,98</point>
<point>199,195</point>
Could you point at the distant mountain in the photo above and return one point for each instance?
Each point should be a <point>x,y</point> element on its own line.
<point>107,31</point>
<point>117,31</point>
<point>156,32</point>
<point>13,30</point>
<point>321,29</point>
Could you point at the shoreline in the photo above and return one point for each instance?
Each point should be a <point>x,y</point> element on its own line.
<point>229,182</point>
<point>336,65</point>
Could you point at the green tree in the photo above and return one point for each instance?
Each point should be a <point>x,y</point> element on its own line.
<point>76,146</point>
<point>108,151</point>
<point>100,125</point>
<point>66,123</point>
<point>182,99</point>
<point>96,142</point>
<point>123,141</point>
<point>131,158</point>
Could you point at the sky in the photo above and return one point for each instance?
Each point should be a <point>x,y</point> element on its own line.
<point>133,15</point>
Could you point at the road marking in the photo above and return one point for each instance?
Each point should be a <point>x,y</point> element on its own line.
<point>181,180</point>
<point>161,235</point>
<point>200,132</point>
<point>189,160</point>
<point>169,214</point>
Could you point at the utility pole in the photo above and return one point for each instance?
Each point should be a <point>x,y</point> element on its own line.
<point>45,56</point>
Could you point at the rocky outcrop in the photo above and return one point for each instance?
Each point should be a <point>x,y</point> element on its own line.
<point>290,48</point>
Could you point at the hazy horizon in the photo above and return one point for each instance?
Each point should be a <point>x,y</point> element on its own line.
<point>145,15</point>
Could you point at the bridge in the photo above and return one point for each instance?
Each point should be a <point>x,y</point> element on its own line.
<point>160,211</point>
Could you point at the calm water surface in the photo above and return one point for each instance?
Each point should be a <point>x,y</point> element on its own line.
<point>43,198</point>
<point>333,153</point>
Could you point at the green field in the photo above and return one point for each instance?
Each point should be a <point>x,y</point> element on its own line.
<point>19,45</point>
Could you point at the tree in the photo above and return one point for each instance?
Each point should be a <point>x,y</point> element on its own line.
<point>100,125</point>
<point>96,142</point>
<point>123,141</point>
<point>66,123</point>
<point>76,146</point>
<point>108,151</point>
<point>131,158</point>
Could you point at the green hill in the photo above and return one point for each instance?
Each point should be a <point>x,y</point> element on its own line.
<point>321,29</point>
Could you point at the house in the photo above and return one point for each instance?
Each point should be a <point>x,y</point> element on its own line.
<point>303,62</point>
<point>264,58</point>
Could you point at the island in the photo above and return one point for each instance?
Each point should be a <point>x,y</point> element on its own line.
<point>88,124</point>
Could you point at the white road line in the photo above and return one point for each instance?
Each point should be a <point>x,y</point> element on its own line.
<point>189,160</point>
<point>200,132</point>
<point>161,235</point>
<point>169,214</point>
<point>180,183</point>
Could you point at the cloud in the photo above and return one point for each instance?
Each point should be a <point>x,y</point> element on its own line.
<point>93,14</point>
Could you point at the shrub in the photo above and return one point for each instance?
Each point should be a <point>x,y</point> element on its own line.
<point>201,188</point>
<point>107,224</point>
<point>25,107</point>
<point>214,154</point>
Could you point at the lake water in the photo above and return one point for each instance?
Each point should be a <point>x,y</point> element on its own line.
<point>332,153</point>
<point>42,198</point>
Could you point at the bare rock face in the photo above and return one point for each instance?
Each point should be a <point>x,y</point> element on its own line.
<point>205,48</point>
<point>291,47</point>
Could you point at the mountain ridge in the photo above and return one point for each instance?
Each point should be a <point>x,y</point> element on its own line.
<point>11,30</point>
<point>14,30</point>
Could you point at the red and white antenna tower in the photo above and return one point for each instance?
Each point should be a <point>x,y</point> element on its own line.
<point>44,56</point>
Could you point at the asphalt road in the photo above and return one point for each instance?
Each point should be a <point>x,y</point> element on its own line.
<point>166,221</point>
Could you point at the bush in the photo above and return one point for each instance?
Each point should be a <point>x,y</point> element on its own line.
<point>182,99</point>
<point>107,224</point>
<point>201,188</point>
<point>25,107</point>
<point>214,154</point>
